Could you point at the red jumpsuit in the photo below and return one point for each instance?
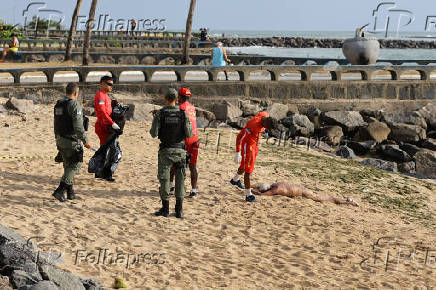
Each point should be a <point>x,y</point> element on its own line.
<point>247,141</point>
<point>191,143</point>
<point>103,110</point>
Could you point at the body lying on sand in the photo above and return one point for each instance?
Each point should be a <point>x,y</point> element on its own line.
<point>292,190</point>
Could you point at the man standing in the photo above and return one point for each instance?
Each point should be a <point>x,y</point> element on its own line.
<point>219,57</point>
<point>172,126</point>
<point>69,132</point>
<point>103,110</point>
<point>192,144</point>
<point>247,142</point>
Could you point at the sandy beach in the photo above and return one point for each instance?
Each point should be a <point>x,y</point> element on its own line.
<point>387,242</point>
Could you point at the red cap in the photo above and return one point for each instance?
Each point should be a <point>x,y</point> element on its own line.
<point>185,92</point>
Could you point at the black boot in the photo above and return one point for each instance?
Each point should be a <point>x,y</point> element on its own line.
<point>179,208</point>
<point>165,210</point>
<point>70,193</point>
<point>59,192</point>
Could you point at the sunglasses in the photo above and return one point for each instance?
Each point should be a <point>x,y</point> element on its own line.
<point>110,84</point>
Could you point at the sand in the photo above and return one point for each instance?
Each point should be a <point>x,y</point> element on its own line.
<point>223,242</point>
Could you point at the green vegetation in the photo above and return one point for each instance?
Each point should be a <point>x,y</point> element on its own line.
<point>116,42</point>
<point>43,24</point>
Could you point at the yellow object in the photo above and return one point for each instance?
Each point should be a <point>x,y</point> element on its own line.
<point>120,283</point>
<point>14,49</point>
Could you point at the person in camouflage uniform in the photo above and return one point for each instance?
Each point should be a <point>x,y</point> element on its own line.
<point>172,126</point>
<point>69,133</point>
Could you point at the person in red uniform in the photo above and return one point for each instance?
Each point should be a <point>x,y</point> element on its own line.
<point>192,144</point>
<point>247,147</point>
<point>103,110</point>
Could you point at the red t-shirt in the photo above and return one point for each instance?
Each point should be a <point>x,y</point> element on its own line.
<point>251,134</point>
<point>191,113</point>
<point>103,108</point>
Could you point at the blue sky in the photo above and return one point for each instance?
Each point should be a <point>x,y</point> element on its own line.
<point>267,15</point>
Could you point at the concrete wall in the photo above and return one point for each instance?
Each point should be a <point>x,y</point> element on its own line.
<point>341,95</point>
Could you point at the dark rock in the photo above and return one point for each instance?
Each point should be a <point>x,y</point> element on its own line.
<point>299,125</point>
<point>208,115</point>
<point>226,111</point>
<point>361,148</point>
<point>409,149</point>
<point>381,164</point>
<point>346,152</point>
<point>389,142</point>
<point>20,278</point>
<point>20,105</point>
<point>278,111</point>
<point>313,112</point>
<point>239,123</point>
<point>429,114</point>
<point>91,284</point>
<point>141,112</point>
<point>292,110</point>
<point>280,133</point>
<point>375,130</point>
<point>44,285</point>
<point>406,133</point>
<point>218,124</point>
<point>332,135</point>
<point>411,118</point>
<point>393,152</point>
<point>314,115</point>
<point>349,121</point>
<point>426,163</point>
<point>249,109</point>
<point>16,253</point>
<point>429,144</point>
<point>64,280</point>
<point>431,134</point>
<point>407,167</point>
<point>369,115</point>
<point>313,143</point>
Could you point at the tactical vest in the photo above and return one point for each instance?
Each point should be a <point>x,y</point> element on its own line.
<point>172,127</point>
<point>63,122</point>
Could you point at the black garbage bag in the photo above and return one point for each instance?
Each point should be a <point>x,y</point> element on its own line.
<point>105,161</point>
<point>118,115</point>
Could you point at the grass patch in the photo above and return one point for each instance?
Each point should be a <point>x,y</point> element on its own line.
<point>380,188</point>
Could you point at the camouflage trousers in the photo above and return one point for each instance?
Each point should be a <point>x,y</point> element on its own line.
<point>167,158</point>
<point>72,155</point>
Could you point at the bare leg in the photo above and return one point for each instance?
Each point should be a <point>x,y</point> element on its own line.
<point>5,52</point>
<point>316,197</point>
<point>194,175</point>
<point>247,180</point>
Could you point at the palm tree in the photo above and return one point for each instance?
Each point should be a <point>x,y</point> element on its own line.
<point>89,26</point>
<point>188,32</point>
<point>69,48</point>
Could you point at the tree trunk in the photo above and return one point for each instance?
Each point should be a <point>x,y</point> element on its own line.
<point>188,32</point>
<point>69,48</point>
<point>89,26</point>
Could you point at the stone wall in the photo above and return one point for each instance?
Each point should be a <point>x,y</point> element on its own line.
<point>341,95</point>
